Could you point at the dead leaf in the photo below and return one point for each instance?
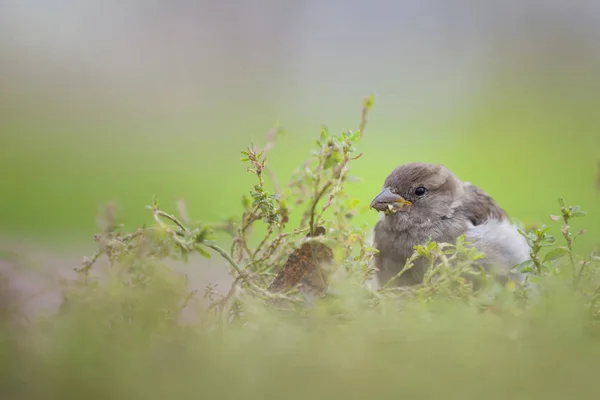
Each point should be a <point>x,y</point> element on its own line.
<point>305,266</point>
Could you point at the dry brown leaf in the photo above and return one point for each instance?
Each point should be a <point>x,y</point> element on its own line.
<point>304,266</point>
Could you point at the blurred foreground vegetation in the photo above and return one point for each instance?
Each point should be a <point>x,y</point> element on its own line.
<point>119,333</point>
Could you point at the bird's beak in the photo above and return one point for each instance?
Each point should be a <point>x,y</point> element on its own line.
<point>389,202</point>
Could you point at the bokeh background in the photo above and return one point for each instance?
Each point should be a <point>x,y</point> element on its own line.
<point>119,101</point>
<point>106,100</point>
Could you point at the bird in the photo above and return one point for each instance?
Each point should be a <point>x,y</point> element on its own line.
<point>421,202</point>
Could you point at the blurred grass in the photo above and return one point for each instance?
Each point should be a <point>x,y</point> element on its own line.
<point>525,145</point>
<point>438,350</point>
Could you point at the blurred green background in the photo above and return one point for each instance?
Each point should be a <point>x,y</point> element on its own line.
<point>100,102</point>
<point>122,101</point>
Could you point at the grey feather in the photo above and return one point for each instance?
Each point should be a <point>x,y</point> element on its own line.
<point>448,209</point>
<point>502,245</point>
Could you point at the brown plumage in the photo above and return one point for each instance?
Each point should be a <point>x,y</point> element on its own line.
<point>304,266</point>
<point>478,206</point>
<point>427,201</point>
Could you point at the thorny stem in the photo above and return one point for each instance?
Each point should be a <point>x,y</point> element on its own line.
<point>536,261</point>
<point>565,230</point>
<point>209,244</point>
<point>584,264</point>
<point>407,265</point>
<point>273,246</point>
<point>225,299</point>
<point>89,262</point>
<point>159,213</point>
<point>571,260</point>
<point>243,275</point>
<point>262,243</point>
<point>188,242</point>
<point>156,213</point>
<point>365,113</point>
<point>249,219</point>
<point>334,191</point>
<point>226,256</point>
<point>313,208</point>
<point>342,170</point>
<point>595,299</point>
<point>189,298</point>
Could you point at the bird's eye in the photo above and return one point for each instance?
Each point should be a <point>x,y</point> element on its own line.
<point>420,191</point>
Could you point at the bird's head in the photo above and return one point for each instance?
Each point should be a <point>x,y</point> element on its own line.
<point>419,189</point>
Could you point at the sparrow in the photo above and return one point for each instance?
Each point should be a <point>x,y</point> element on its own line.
<point>423,202</point>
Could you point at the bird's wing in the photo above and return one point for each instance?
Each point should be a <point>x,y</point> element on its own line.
<point>480,207</point>
<point>502,245</point>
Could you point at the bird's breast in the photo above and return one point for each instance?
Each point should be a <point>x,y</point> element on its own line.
<point>398,237</point>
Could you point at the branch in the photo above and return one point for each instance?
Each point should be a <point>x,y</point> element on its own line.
<point>314,205</point>
<point>159,213</point>
<point>227,257</point>
<point>367,104</point>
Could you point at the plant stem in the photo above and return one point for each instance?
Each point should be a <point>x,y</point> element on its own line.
<point>313,208</point>
<point>160,213</point>
<point>227,257</point>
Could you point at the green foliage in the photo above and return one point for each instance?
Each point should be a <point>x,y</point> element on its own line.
<point>119,333</point>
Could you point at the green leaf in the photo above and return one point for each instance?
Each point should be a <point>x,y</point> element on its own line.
<point>555,254</point>
<point>536,279</point>
<point>524,267</point>
<point>330,163</point>
<point>336,142</point>
<point>528,270</point>
<point>561,202</point>
<point>581,232</point>
<point>203,252</point>
<point>368,102</point>
<point>246,201</point>
<point>353,203</point>
<point>324,134</point>
<point>432,246</point>
<point>575,214</point>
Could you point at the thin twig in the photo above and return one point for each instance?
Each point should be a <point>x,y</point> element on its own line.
<point>364,114</point>
<point>316,199</point>
<point>188,298</point>
<point>221,302</point>
<point>407,266</point>
<point>226,256</point>
<point>159,213</point>
<point>262,243</point>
